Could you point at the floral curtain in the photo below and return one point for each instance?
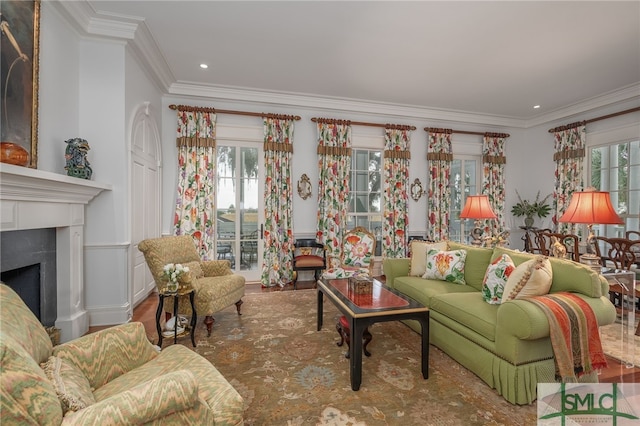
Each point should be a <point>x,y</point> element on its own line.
<point>334,165</point>
<point>196,141</point>
<point>395,198</point>
<point>493,181</point>
<point>277,264</point>
<point>569,158</point>
<point>439,158</point>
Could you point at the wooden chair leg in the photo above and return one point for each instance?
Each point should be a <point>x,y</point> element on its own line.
<point>208,321</point>
<point>238,305</point>
<point>339,330</point>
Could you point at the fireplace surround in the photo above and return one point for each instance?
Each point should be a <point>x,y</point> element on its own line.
<point>35,199</point>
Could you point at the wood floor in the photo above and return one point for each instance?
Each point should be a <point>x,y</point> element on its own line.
<point>145,312</point>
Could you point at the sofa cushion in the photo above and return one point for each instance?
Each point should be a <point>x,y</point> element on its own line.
<point>27,397</point>
<point>468,309</point>
<point>531,278</point>
<point>476,263</point>
<point>225,402</point>
<point>422,290</point>
<point>418,261</point>
<point>70,384</point>
<point>495,279</point>
<point>446,265</point>
<point>26,330</point>
<point>567,275</point>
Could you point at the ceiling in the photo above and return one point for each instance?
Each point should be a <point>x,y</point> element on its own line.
<point>493,58</point>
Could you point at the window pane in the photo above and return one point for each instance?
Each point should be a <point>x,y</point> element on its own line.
<point>361,159</point>
<point>362,182</point>
<point>375,161</point>
<point>374,202</point>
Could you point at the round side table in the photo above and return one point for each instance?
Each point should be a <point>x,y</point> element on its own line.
<point>176,296</point>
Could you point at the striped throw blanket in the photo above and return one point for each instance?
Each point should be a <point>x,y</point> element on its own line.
<point>574,335</point>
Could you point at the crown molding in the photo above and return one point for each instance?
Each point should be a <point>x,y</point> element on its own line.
<point>623,94</point>
<point>266,97</point>
<point>132,29</point>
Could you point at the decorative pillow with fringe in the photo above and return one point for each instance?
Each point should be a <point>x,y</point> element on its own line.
<point>531,278</point>
<point>72,387</point>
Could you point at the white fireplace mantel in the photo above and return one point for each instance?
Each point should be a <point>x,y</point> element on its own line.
<point>33,199</point>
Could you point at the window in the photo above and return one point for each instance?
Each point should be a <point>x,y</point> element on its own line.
<point>464,181</point>
<point>616,168</point>
<point>365,193</point>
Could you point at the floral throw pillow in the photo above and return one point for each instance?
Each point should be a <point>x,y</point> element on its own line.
<point>496,278</point>
<point>446,265</point>
<point>418,260</point>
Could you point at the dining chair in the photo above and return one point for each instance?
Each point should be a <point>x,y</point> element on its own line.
<point>308,255</point>
<point>553,243</point>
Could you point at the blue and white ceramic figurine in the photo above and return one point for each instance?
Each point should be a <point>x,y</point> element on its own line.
<point>76,156</point>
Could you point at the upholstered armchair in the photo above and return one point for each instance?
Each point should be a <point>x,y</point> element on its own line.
<point>216,287</point>
<point>111,377</point>
<point>358,248</point>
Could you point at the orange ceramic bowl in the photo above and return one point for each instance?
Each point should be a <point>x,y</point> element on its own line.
<point>13,153</point>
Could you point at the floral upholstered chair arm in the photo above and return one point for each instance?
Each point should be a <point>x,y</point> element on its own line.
<point>170,393</point>
<point>216,268</point>
<point>118,349</point>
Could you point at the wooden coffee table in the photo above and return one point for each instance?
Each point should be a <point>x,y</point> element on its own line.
<point>362,310</point>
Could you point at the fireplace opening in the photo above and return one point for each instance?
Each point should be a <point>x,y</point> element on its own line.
<point>26,282</point>
<point>28,266</point>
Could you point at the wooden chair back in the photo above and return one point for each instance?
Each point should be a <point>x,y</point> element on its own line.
<point>568,244</point>
<point>620,253</point>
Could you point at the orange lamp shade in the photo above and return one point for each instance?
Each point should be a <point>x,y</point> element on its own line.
<point>591,207</point>
<point>477,207</point>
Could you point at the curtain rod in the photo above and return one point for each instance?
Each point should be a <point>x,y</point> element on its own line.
<point>603,117</point>
<point>227,111</point>
<point>362,123</point>
<point>464,132</point>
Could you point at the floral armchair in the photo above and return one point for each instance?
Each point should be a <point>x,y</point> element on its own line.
<point>358,248</point>
<point>216,287</point>
<point>112,377</point>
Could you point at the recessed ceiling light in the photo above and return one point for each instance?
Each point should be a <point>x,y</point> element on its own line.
<point>204,66</point>
<point>536,106</point>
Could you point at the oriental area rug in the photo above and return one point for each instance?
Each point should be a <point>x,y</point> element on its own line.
<point>290,374</point>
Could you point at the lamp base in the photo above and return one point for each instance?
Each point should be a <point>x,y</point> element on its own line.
<point>592,261</point>
<point>476,236</point>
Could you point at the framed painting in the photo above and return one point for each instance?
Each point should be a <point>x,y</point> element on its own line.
<point>19,52</point>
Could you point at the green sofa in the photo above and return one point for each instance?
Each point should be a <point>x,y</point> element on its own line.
<point>111,377</point>
<point>506,345</point>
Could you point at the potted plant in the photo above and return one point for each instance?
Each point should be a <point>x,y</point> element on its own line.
<point>528,209</point>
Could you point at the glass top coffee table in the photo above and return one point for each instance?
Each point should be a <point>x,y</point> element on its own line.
<point>380,304</point>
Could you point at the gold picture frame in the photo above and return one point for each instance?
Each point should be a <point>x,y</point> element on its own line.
<point>20,56</point>
<point>416,190</point>
<point>304,187</point>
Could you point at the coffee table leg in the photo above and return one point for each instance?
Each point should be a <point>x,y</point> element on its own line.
<point>356,328</point>
<point>320,308</point>
<point>424,322</point>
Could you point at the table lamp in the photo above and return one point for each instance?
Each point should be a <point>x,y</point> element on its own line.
<point>477,207</point>
<point>590,207</point>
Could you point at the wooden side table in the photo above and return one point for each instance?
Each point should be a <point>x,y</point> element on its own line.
<point>176,296</point>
